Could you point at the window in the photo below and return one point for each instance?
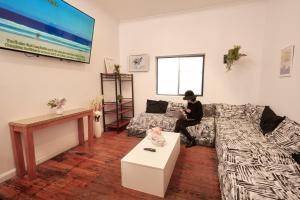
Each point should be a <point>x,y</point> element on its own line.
<point>177,74</point>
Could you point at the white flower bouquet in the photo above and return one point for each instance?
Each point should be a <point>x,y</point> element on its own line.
<point>57,103</point>
<point>96,105</point>
<point>97,115</point>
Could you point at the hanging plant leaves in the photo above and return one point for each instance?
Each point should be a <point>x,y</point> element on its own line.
<point>232,56</point>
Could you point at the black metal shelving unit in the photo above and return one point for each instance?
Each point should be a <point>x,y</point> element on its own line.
<point>122,111</point>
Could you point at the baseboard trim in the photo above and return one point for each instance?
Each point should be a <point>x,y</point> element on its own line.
<point>12,172</point>
<point>7,175</point>
<point>44,158</point>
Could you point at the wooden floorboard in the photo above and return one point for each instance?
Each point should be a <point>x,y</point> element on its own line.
<point>81,174</point>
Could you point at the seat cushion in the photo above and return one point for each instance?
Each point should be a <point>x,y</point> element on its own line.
<point>259,182</point>
<point>204,131</point>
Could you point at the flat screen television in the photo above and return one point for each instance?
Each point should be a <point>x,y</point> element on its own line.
<point>46,27</point>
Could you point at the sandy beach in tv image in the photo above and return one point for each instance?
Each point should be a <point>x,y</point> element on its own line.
<point>42,43</point>
<point>59,31</point>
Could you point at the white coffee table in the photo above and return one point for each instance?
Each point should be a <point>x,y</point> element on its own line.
<point>150,172</point>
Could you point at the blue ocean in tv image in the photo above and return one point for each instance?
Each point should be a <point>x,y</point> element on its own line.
<point>47,27</point>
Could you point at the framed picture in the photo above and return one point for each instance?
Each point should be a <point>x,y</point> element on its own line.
<point>287,56</point>
<point>139,63</point>
<point>109,65</point>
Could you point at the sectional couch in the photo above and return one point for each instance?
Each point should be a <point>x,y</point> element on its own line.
<point>253,165</point>
<point>250,165</point>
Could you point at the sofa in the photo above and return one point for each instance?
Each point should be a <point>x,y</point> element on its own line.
<point>204,132</point>
<point>251,165</point>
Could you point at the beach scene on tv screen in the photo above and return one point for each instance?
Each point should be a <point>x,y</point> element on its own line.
<point>46,27</point>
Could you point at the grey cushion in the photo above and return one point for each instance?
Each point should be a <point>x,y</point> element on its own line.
<point>176,114</point>
<point>209,110</point>
<point>204,132</point>
<point>230,111</point>
<point>254,113</point>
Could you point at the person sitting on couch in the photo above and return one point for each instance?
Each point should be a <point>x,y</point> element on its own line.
<point>194,115</point>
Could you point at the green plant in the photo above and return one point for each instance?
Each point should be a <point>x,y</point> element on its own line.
<point>119,98</point>
<point>232,56</point>
<point>117,69</point>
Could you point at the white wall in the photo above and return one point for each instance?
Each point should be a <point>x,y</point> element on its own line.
<point>26,84</point>
<point>282,30</point>
<point>211,31</point>
<point>262,29</point>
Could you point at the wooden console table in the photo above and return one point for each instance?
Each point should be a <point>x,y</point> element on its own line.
<point>28,126</point>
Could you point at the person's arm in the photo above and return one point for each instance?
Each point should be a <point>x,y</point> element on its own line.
<point>197,112</point>
<point>200,110</point>
<point>186,110</point>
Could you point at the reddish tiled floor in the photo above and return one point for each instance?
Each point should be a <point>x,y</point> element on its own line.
<point>80,174</point>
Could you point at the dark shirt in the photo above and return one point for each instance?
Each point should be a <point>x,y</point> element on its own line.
<point>196,111</point>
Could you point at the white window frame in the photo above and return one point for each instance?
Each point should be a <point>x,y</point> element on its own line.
<point>180,56</point>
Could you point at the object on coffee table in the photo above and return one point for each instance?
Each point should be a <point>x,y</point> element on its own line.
<point>156,137</point>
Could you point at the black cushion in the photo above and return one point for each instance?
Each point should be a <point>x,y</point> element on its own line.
<point>156,106</point>
<point>269,120</point>
<point>296,157</point>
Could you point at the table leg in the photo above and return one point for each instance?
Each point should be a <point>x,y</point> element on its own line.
<point>90,129</point>
<point>30,154</point>
<point>80,131</point>
<point>18,152</point>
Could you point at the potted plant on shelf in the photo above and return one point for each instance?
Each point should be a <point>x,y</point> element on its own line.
<point>119,98</point>
<point>57,104</point>
<point>96,105</point>
<point>117,71</point>
<point>232,56</point>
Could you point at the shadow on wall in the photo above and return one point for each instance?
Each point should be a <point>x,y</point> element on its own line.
<point>32,60</point>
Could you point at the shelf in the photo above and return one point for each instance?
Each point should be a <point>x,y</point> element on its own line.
<point>112,106</point>
<point>113,76</point>
<point>120,111</point>
<point>122,103</point>
<point>122,123</point>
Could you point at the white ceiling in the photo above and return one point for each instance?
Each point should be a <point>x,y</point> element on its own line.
<point>133,9</point>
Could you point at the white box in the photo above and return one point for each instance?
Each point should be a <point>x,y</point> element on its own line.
<point>150,172</point>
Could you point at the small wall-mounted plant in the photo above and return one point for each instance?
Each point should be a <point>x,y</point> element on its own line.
<point>232,56</point>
